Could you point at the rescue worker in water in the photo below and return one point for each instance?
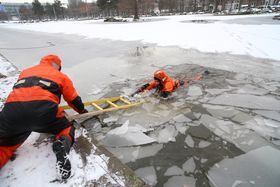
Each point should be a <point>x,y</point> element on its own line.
<point>33,106</point>
<point>162,84</point>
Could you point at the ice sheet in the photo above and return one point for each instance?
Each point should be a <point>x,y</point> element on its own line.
<point>247,101</point>
<point>259,167</point>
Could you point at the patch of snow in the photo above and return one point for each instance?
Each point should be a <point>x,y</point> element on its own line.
<point>35,166</point>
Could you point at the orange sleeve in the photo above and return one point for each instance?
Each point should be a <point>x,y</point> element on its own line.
<point>152,85</point>
<point>68,91</point>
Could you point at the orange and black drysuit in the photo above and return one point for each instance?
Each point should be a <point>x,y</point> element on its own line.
<point>163,84</point>
<point>33,106</point>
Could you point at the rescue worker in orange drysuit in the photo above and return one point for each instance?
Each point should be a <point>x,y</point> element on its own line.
<point>163,84</point>
<point>33,106</point>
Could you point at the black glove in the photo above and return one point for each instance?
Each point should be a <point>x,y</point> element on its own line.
<point>165,94</point>
<point>140,89</point>
<point>84,111</point>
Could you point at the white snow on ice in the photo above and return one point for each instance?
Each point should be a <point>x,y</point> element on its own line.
<point>37,165</point>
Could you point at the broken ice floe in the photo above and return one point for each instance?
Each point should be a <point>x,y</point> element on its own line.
<point>247,101</point>
<point>264,127</point>
<point>173,171</point>
<point>181,118</point>
<point>194,91</point>
<point>249,89</point>
<point>168,133</point>
<point>131,154</point>
<point>110,119</point>
<point>189,166</point>
<point>148,174</point>
<point>268,114</point>
<point>180,181</point>
<point>257,168</point>
<point>220,111</point>
<point>181,127</point>
<point>189,141</point>
<point>126,136</point>
<point>203,144</point>
<point>241,136</point>
<point>217,91</point>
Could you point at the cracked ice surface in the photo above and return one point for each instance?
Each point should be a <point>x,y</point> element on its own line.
<point>126,136</point>
<point>130,154</point>
<point>264,127</point>
<point>249,89</point>
<point>194,91</point>
<point>241,136</point>
<point>247,101</point>
<point>256,168</point>
<point>269,114</point>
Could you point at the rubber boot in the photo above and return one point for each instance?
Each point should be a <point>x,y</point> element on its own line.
<point>61,148</point>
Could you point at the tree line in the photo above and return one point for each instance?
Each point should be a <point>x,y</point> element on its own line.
<point>127,8</point>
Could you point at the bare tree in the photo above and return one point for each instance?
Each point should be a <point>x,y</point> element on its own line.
<point>25,13</point>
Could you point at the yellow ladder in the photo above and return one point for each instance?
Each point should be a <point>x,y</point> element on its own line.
<point>112,104</point>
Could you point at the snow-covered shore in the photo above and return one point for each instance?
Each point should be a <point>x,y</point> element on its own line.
<point>258,40</point>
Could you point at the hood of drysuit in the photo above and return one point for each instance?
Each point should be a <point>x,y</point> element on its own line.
<point>49,59</point>
<point>160,75</point>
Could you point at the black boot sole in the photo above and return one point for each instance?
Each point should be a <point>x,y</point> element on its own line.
<point>63,164</point>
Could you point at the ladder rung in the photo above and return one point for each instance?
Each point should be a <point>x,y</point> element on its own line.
<point>111,103</point>
<point>96,106</point>
<point>125,101</point>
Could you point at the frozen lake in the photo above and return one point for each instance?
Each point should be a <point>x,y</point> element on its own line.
<point>203,130</point>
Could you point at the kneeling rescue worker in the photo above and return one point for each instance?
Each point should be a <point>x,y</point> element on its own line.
<point>33,106</point>
<point>163,84</point>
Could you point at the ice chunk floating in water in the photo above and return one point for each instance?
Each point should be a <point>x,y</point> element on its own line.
<point>260,166</point>
<point>148,174</point>
<point>247,101</point>
<point>126,136</point>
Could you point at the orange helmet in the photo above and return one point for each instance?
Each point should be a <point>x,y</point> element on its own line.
<point>49,59</point>
<point>160,75</point>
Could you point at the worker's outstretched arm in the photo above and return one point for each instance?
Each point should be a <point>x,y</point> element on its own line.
<point>147,86</point>
<point>71,97</point>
